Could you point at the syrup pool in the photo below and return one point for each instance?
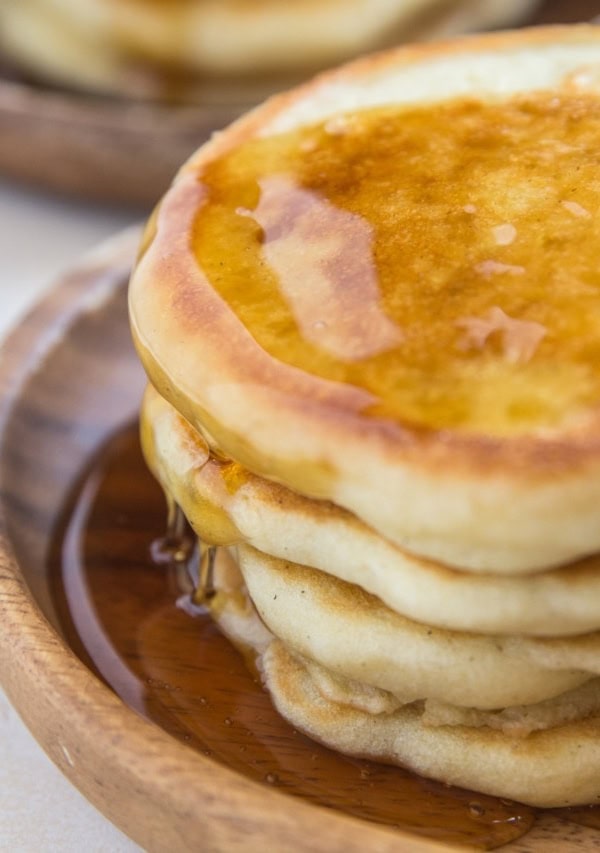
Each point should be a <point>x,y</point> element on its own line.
<point>116,587</point>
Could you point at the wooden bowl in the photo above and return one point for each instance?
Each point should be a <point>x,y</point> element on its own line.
<point>68,380</point>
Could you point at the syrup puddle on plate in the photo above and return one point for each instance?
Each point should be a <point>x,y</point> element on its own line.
<point>116,585</point>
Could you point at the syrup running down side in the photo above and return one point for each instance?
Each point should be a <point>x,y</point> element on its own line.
<point>117,588</point>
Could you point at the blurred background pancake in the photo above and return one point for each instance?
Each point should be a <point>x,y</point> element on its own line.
<point>195,50</point>
<point>116,93</point>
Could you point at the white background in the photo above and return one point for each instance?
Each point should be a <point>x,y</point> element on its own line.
<point>40,811</point>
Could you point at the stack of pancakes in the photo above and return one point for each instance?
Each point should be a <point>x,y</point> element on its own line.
<point>370,315</point>
<point>145,47</point>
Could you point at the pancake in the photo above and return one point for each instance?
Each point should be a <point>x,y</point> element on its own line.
<point>549,768</point>
<point>367,665</point>
<point>355,635</point>
<point>516,721</point>
<point>370,314</point>
<point>433,369</point>
<point>127,45</point>
<point>227,504</point>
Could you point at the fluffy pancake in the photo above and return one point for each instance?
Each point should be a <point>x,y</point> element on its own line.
<point>355,635</point>
<point>556,767</point>
<point>360,645</point>
<point>517,720</point>
<point>552,767</point>
<point>434,368</point>
<point>371,314</point>
<point>122,45</point>
<point>225,504</point>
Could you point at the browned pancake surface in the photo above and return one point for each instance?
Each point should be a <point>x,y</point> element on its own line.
<point>444,261</point>
<point>390,300</point>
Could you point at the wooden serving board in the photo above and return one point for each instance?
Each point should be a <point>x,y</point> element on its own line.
<point>127,151</point>
<point>143,749</point>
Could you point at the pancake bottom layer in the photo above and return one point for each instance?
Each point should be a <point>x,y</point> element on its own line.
<point>551,768</point>
<point>554,767</point>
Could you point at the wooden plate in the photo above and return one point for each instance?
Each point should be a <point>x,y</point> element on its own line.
<point>101,148</point>
<point>127,150</point>
<point>70,383</point>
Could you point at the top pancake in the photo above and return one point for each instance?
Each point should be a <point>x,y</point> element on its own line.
<point>382,289</point>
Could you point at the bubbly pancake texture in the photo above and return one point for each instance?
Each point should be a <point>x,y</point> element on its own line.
<point>388,278</point>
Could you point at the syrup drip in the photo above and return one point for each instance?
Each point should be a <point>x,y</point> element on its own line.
<point>205,589</point>
<point>177,544</point>
<point>191,560</point>
<point>122,613</point>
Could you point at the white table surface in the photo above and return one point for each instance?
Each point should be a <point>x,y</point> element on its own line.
<point>40,811</point>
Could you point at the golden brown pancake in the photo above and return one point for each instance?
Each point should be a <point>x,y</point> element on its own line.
<point>371,310</point>
<point>400,258</point>
<point>551,768</point>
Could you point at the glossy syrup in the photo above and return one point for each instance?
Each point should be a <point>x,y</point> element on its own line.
<point>448,266</point>
<point>119,592</point>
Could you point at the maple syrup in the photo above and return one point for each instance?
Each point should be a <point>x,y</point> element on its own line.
<point>118,607</point>
<point>177,544</point>
<point>204,589</point>
<point>443,260</point>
